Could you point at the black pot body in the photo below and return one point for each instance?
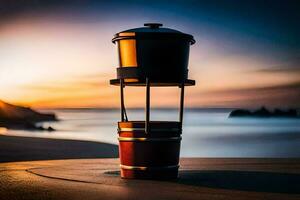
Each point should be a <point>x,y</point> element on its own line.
<point>161,59</point>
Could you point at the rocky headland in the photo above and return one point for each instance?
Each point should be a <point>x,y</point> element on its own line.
<point>265,113</point>
<point>19,117</point>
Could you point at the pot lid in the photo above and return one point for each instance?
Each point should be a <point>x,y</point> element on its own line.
<point>152,28</point>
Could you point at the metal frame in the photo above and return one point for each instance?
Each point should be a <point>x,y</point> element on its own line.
<point>147,109</point>
<point>181,103</point>
<point>147,127</point>
<point>123,110</point>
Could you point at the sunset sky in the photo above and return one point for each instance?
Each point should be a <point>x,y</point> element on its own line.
<point>59,53</point>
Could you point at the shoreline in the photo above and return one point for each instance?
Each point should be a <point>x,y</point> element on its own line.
<point>19,148</point>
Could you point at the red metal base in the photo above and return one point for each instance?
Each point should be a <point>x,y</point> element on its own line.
<point>154,155</point>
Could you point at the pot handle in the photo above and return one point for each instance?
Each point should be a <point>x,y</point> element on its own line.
<point>153,25</point>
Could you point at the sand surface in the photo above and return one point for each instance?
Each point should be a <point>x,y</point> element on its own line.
<point>199,178</point>
<point>14,148</point>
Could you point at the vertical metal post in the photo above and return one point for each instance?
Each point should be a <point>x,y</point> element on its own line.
<point>181,103</point>
<point>122,99</point>
<point>147,105</point>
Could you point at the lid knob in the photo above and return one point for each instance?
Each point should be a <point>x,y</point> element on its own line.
<point>153,25</point>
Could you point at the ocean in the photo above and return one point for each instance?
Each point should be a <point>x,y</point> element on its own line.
<point>206,132</point>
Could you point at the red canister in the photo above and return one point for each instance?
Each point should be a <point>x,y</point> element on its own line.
<point>152,155</point>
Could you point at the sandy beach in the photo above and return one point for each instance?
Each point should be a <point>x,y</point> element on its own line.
<point>15,148</point>
<point>199,179</point>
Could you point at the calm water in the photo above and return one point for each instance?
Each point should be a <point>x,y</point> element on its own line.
<point>207,133</point>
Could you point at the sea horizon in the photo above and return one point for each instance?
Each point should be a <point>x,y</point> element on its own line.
<point>206,132</point>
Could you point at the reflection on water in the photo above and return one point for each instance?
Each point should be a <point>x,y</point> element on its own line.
<point>207,133</point>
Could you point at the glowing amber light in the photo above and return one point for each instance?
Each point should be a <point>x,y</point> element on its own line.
<point>131,80</point>
<point>127,52</point>
<point>127,34</point>
<point>3,130</point>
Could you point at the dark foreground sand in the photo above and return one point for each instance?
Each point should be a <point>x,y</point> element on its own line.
<point>199,179</point>
<point>13,148</point>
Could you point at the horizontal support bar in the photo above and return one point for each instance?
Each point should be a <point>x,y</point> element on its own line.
<point>143,168</point>
<point>151,130</point>
<point>154,83</point>
<point>131,139</point>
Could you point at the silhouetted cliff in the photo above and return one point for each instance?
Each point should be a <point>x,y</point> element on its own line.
<point>19,117</point>
<point>263,112</point>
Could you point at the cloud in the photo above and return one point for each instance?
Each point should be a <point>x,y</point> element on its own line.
<point>281,95</point>
<point>68,84</point>
<point>291,65</point>
<point>279,87</point>
<point>281,69</point>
